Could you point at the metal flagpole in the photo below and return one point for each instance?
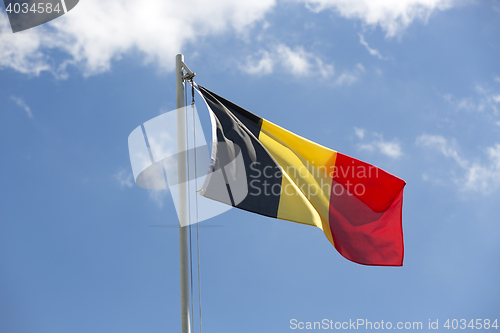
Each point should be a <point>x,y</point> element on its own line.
<point>183,213</point>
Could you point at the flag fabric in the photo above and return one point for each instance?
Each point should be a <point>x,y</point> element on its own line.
<point>357,205</point>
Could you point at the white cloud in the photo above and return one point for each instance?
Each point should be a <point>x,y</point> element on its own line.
<point>124,178</point>
<point>462,103</point>
<point>297,61</point>
<point>360,132</point>
<point>261,66</point>
<point>391,149</point>
<point>486,99</point>
<point>440,143</point>
<point>346,78</point>
<point>393,16</point>
<point>496,7</point>
<point>20,52</point>
<point>373,52</point>
<point>97,32</point>
<point>480,177</point>
<point>349,77</point>
<point>20,102</point>
<point>485,178</point>
<point>377,143</point>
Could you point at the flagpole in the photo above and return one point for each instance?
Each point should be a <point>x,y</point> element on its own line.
<point>181,165</point>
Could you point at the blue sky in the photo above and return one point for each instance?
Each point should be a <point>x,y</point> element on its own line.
<point>412,87</point>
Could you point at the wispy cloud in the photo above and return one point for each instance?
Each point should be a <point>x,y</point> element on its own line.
<point>360,132</point>
<point>393,16</point>
<point>485,99</point>
<point>372,51</point>
<point>298,62</point>
<point>496,6</point>
<point>476,176</point>
<point>124,178</point>
<point>302,63</point>
<point>439,143</point>
<point>375,142</point>
<point>348,77</point>
<point>295,60</point>
<point>158,197</point>
<point>20,102</point>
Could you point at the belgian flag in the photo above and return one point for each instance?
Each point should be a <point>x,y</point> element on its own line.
<point>357,205</point>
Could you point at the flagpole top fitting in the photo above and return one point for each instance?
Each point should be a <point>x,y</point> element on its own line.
<point>189,74</point>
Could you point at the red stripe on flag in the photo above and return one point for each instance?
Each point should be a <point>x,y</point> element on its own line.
<point>365,214</point>
<point>374,186</point>
<point>378,241</point>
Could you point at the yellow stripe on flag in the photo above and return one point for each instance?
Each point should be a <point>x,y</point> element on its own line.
<point>306,184</point>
